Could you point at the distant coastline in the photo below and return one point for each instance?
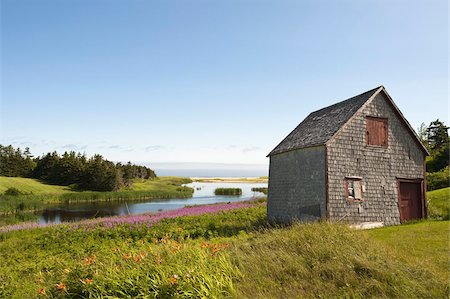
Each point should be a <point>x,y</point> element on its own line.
<point>262,179</point>
<point>209,170</point>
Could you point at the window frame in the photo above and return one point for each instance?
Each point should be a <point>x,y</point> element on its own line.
<point>385,122</point>
<point>347,193</point>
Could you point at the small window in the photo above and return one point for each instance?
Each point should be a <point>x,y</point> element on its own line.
<point>376,131</point>
<point>354,189</point>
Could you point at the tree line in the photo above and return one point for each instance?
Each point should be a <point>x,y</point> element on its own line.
<point>71,168</point>
<point>436,140</point>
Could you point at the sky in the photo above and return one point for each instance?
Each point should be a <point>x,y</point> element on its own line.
<point>207,81</point>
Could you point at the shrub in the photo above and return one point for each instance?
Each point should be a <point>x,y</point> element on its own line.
<point>438,180</point>
<point>228,191</point>
<point>13,192</point>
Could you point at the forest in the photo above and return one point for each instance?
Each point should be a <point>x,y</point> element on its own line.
<point>71,169</point>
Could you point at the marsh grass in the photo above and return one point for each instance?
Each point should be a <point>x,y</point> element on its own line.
<point>228,191</point>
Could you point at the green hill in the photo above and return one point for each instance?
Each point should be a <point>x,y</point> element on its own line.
<point>34,186</point>
<point>31,186</point>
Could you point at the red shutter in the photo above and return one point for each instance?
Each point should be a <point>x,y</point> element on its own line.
<point>376,131</point>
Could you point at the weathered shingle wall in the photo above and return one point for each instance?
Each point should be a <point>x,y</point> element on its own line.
<point>348,155</point>
<point>297,185</point>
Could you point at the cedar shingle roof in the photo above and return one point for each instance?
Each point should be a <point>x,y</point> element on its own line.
<point>318,127</point>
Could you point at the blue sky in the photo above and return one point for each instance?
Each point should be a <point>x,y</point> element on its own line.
<point>207,81</point>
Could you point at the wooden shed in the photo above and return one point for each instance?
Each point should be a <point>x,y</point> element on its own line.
<point>355,161</point>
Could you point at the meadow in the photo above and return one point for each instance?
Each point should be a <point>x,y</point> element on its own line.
<point>223,251</point>
<point>36,195</point>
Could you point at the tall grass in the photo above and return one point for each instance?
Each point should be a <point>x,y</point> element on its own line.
<point>226,254</point>
<point>13,204</point>
<point>228,191</point>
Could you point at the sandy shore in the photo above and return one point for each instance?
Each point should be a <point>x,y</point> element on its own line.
<point>231,180</point>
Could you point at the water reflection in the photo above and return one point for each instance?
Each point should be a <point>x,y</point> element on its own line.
<point>203,194</point>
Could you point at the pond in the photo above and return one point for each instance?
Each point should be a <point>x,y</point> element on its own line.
<point>203,194</point>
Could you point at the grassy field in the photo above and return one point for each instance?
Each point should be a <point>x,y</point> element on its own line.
<point>38,194</point>
<point>439,203</point>
<point>159,183</point>
<point>226,254</point>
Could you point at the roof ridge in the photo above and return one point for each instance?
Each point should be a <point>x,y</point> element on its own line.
<point>349,99</point>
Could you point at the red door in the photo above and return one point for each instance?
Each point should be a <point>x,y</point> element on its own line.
<point>410,201</point>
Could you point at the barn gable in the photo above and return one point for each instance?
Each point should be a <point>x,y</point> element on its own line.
<point>321,125</point>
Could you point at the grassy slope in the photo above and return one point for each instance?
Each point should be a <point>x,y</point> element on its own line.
<point>31,186</point>
<point>37,187</point>
<point>323,260</point>
<point>227,254</point>
<point>439,203</point>
<point>424,243</point>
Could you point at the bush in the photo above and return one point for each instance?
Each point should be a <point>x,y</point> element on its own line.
<point>13,192</point>
<point>438,180</point>
<point>228,191</point>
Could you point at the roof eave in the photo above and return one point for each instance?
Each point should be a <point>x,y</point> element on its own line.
<point>397,110</point>
<point>295,148</point>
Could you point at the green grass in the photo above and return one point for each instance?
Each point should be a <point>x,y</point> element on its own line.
<point>228,254</point>
<point>439,204</point>
<point>159,183</point>
<point>34,186</point>
<point>424,243</point>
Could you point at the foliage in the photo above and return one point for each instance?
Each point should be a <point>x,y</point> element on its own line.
<point>438,179</point>
<point>225,254</point>
<point>438,159</point>
<point>438,204</point>
<point>436,140</point>
<point>70,168</point>
<point>12,191</point>
<point>15,162</point>
<point>437,135</point>
<point>228,191</point>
